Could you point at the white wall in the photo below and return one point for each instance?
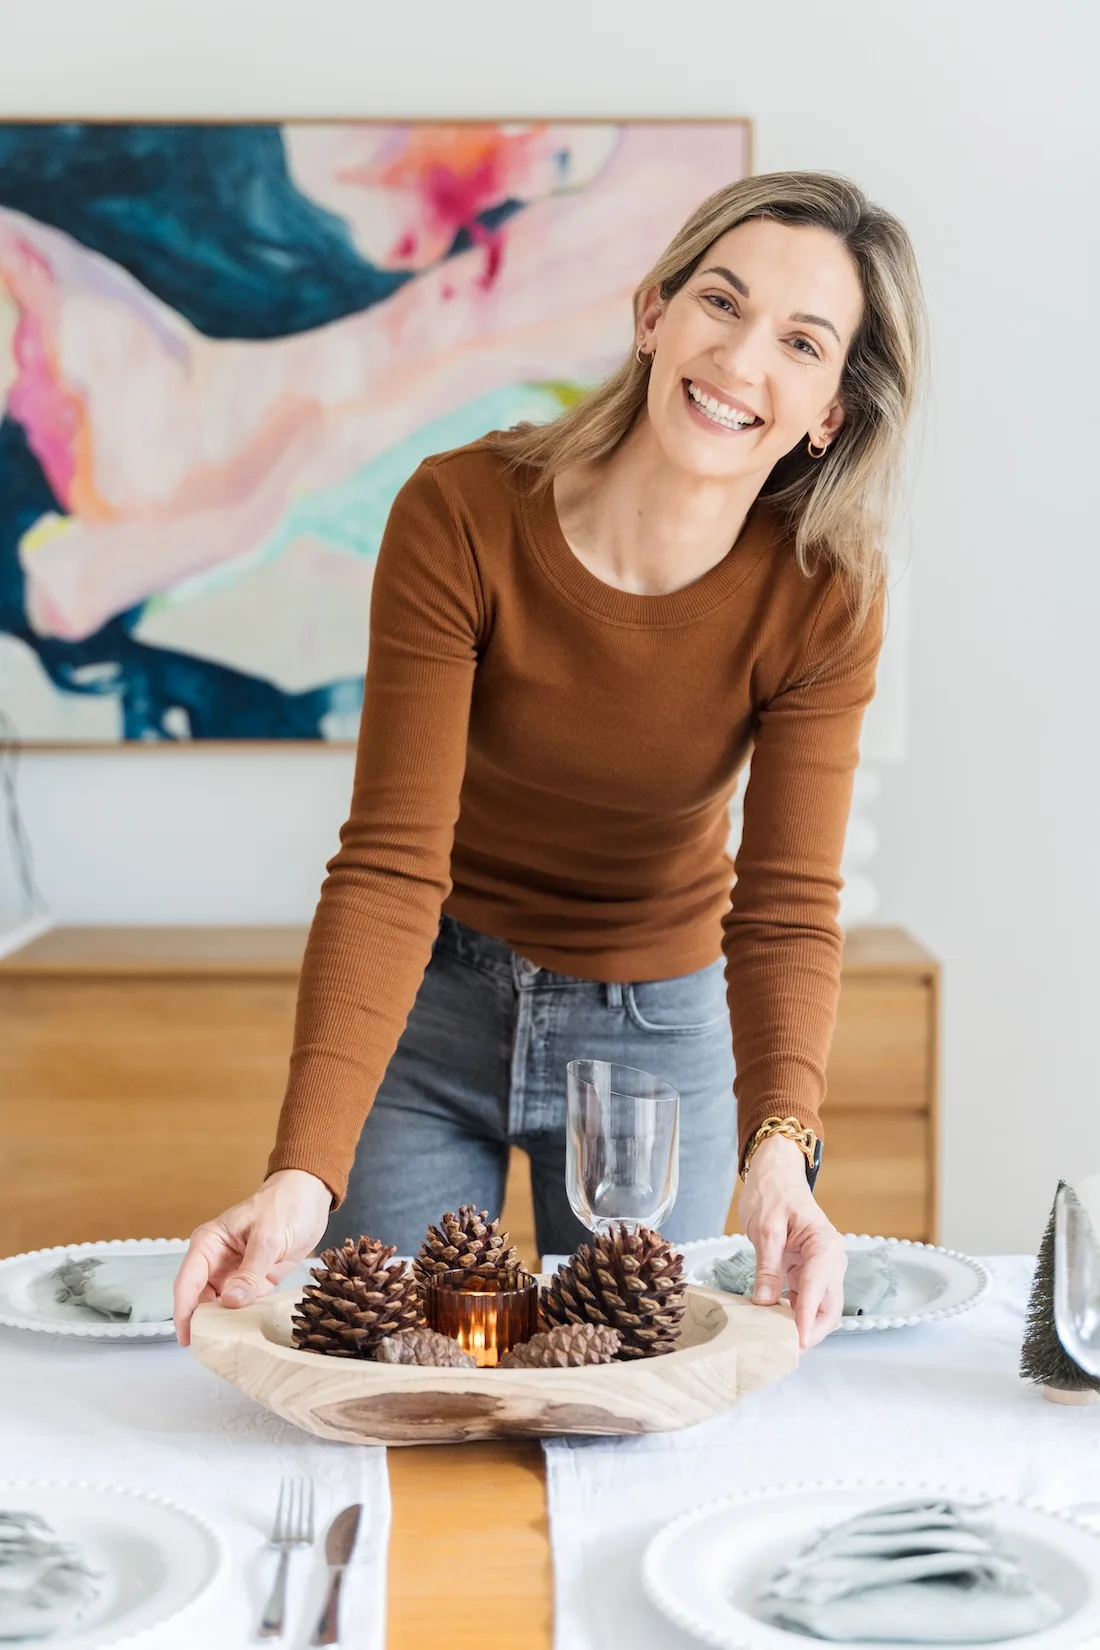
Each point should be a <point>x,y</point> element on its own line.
<point>976,122</point>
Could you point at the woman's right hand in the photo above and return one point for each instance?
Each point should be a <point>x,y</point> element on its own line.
<point>246,1251</point>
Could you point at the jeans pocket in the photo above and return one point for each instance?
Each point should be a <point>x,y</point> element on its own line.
<point>681,1007</point>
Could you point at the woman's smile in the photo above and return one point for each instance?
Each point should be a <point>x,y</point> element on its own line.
<point>721,415</point>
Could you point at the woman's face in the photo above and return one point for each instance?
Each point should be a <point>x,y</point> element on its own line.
<point>748,354</point>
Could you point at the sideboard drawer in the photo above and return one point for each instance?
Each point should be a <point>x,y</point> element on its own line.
<point>142,1165</point>
<point>165,1039</point>
<point>876,1173</point>
<point>882,1052</point>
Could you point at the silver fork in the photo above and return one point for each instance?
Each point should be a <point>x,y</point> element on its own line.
<point>293,1528</point>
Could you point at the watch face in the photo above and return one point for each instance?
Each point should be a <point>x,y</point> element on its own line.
<point>814,1169</point>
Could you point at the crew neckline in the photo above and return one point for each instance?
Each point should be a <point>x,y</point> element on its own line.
<point>630,607</point>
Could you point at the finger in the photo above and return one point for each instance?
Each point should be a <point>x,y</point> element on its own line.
<point>829,1312</point>
<point>814,1285</point>
<point>771,1239</point>
<point>192,1279</point>
<point>250,1280</point>
<point>832,1309</point>
<point>276,1273</point>
<point>828,1316</point>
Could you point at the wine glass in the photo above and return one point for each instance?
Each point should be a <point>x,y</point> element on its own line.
<point>1076,1281</point>
<point>622,1162</point>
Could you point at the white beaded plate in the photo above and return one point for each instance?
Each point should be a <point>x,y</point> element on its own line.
<point>936,1283</point>
<point>705,1571</point>
<point>155,1556</point>
<point>26,1300</point>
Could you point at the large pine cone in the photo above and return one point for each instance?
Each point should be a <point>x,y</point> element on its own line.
<point>423,1346</point>
<point>567,1347</point>
<point>467,1242</point>
<point>356,1301</point>
<point>631,1281</point>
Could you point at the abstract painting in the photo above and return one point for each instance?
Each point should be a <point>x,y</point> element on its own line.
<point>224,347</point>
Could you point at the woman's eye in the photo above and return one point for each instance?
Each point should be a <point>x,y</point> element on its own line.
<point>722,302</point>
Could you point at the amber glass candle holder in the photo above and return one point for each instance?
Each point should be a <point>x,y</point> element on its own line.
<point>487,1315</point>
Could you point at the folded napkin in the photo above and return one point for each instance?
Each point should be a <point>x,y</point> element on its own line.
<point>916,1573</point>
<point>869,1282</point>
<point>133,1288</point>
<point>44,1585</point>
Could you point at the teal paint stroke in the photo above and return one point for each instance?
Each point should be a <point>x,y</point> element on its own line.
<point>351,515</point>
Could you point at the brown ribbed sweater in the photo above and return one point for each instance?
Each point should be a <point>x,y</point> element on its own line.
<point>550,760</point>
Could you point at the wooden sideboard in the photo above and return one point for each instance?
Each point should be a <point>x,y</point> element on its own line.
<point>141,1071</point>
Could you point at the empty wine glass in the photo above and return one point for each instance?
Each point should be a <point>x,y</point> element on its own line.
<point>1076,1281</point>
<point>622,1163</point>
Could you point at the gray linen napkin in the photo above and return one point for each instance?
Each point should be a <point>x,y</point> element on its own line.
<point>869,1282</point>
<point>133,1288</point>
<point>922,1572</point>
<point>44,1583</point>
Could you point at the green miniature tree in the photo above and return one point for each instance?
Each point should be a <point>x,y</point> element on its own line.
<point>1043,1358</point>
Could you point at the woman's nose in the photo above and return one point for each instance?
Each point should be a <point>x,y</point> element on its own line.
<point>743,356</point>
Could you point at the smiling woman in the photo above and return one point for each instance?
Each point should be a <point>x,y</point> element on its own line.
<point>789,308</point>
<point>579,633</point>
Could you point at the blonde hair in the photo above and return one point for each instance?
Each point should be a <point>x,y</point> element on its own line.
<point>836,508</point>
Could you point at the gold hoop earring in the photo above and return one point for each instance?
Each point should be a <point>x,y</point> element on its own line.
<point>813,452</point>
<point>642,356</point>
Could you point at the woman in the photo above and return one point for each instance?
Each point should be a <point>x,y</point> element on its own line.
<point>577,633</point>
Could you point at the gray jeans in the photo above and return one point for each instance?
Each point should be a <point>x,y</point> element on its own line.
<point>481,1067</point>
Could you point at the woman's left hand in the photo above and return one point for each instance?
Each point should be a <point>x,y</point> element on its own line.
<point>793,1240</point>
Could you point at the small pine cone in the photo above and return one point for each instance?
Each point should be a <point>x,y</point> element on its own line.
<point>567,1347</point>
<point>466,1242</point>
<point>630,1280</point>
<point>357,1300</point>
<point>423,1346</point>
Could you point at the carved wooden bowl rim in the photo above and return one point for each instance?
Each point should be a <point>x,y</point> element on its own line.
<point>746,1346</point>
<point>276,1305</point>
<point>246,1325</point>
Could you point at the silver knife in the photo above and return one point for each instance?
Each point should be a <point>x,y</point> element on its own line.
<point>339,1543</point>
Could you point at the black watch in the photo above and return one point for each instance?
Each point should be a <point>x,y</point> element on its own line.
<point>814,1169</point>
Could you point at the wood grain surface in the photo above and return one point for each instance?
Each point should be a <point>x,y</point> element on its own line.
<point>142,1069</point>
<point>144,949</point>
<point>135,1105</point>
<point>469,1564</point>
<point>726,1347</point>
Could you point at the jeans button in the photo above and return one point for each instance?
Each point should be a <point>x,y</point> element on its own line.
<point>527,966</point>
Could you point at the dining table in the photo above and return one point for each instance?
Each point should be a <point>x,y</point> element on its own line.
<point>456,1546</point>
<point>444,1526</point>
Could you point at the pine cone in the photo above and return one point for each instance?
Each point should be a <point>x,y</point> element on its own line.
<point>467,1242</point>
<point>356,1301</point>
<point>631,1281</point>
<point>566,1347</point>
<point>423,1346</point>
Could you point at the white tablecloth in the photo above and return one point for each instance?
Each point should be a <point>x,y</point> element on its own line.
<point>149,1417</point>
<point>943,1404</point>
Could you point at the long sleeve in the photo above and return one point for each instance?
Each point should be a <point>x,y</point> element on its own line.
<point>781,936</point>
<point>378,913</point>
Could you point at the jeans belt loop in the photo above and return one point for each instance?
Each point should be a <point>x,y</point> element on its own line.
<point>614,994</point>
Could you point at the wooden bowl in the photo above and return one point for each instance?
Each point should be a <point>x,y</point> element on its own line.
<point>727,1347</point>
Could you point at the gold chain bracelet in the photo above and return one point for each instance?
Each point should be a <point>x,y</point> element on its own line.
<point>791,1129</point>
